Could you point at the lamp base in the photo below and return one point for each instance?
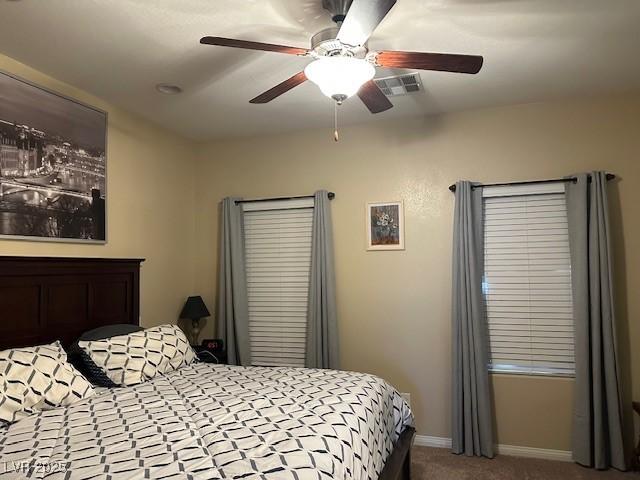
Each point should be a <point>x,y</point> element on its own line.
<point>195,330</point>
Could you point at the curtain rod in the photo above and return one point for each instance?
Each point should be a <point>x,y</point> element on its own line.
<point>610,176</point>
<point>331,196</point>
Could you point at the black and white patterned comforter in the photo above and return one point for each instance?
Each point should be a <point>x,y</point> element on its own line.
<point>212,422</point>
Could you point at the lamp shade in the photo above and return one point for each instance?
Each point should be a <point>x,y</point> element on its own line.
<point>194,308</point>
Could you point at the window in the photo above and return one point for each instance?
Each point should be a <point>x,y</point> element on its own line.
<point>278,265</point>
<point>527,282</point>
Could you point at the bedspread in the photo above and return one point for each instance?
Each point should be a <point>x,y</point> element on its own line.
<point>212,422</point>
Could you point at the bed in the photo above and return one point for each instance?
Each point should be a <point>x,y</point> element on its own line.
<point>200,421</point>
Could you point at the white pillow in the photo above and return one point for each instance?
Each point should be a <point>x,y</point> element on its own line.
<point>140,356</point>
<point>38,378</point>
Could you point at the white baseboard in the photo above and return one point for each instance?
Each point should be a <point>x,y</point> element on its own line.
<point>532,452</point>
<point>512,450</point>
<point>427,441</point>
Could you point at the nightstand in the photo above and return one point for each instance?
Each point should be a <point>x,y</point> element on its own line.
<point>207,355</point>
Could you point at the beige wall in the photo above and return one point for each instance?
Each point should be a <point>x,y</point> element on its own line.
<point>149,205</point>
<point>394,307</point>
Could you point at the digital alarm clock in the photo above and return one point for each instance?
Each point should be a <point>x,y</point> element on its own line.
<point>213,344</point>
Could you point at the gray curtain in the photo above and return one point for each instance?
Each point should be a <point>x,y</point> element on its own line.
<point>472,423</point>
<point>233,309</point>
<point>322,326</point>
<point>598,439</point>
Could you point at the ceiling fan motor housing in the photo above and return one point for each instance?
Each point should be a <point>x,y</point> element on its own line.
<point>325,44</point>
<point>326,40</point>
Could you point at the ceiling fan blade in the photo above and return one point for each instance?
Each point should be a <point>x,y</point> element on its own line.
<point>443,62</point>
<point>281,88</point>
<point>267,47</point>
<point>362,19</point>
<point>373,98</point>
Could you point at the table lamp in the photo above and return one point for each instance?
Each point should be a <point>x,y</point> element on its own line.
<point>194,309</point>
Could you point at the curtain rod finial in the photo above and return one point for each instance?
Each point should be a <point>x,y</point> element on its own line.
<point>331,195</point>
<point>452,187</point>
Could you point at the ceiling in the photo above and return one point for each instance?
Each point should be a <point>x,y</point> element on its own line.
<point>120,49</point>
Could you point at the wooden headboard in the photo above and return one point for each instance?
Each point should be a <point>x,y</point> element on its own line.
<point>43,299</point>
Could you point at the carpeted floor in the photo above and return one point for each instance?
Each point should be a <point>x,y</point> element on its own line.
<point>440,464</point>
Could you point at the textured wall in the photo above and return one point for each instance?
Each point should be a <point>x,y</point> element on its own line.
<point>394,307</point>
<point>150,205</point>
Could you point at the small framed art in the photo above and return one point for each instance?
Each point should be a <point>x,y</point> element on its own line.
<point>385,226</point>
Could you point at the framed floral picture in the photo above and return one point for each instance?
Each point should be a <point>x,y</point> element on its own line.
<point>385,226</point>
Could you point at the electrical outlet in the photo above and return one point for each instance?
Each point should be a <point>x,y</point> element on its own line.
<point>407,397</point>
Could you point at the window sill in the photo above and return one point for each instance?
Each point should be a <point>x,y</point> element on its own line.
<point>531,373</point>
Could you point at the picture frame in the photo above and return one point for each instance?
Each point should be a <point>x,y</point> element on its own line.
<point>53,165</point>
<point>385,225</point>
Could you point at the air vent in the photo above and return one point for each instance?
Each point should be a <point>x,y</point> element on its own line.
<point>400,85</point>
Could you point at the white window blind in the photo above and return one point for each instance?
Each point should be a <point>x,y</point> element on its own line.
<point>278,264</point>
<point>527,283</point>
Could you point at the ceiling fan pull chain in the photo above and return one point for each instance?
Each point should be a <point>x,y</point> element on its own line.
<point>336,137</point>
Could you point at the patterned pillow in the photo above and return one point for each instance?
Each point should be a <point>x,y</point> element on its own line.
<point>38,378</point>
<point>140,356</point>
<point>79,358</point>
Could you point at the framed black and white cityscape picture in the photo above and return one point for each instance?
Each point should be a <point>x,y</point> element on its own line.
<point>52,165</point>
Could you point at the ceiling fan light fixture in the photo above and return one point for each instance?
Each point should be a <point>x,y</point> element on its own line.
<point>339,77</point>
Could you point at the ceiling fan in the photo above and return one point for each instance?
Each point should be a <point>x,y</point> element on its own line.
<point>342,64</point>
